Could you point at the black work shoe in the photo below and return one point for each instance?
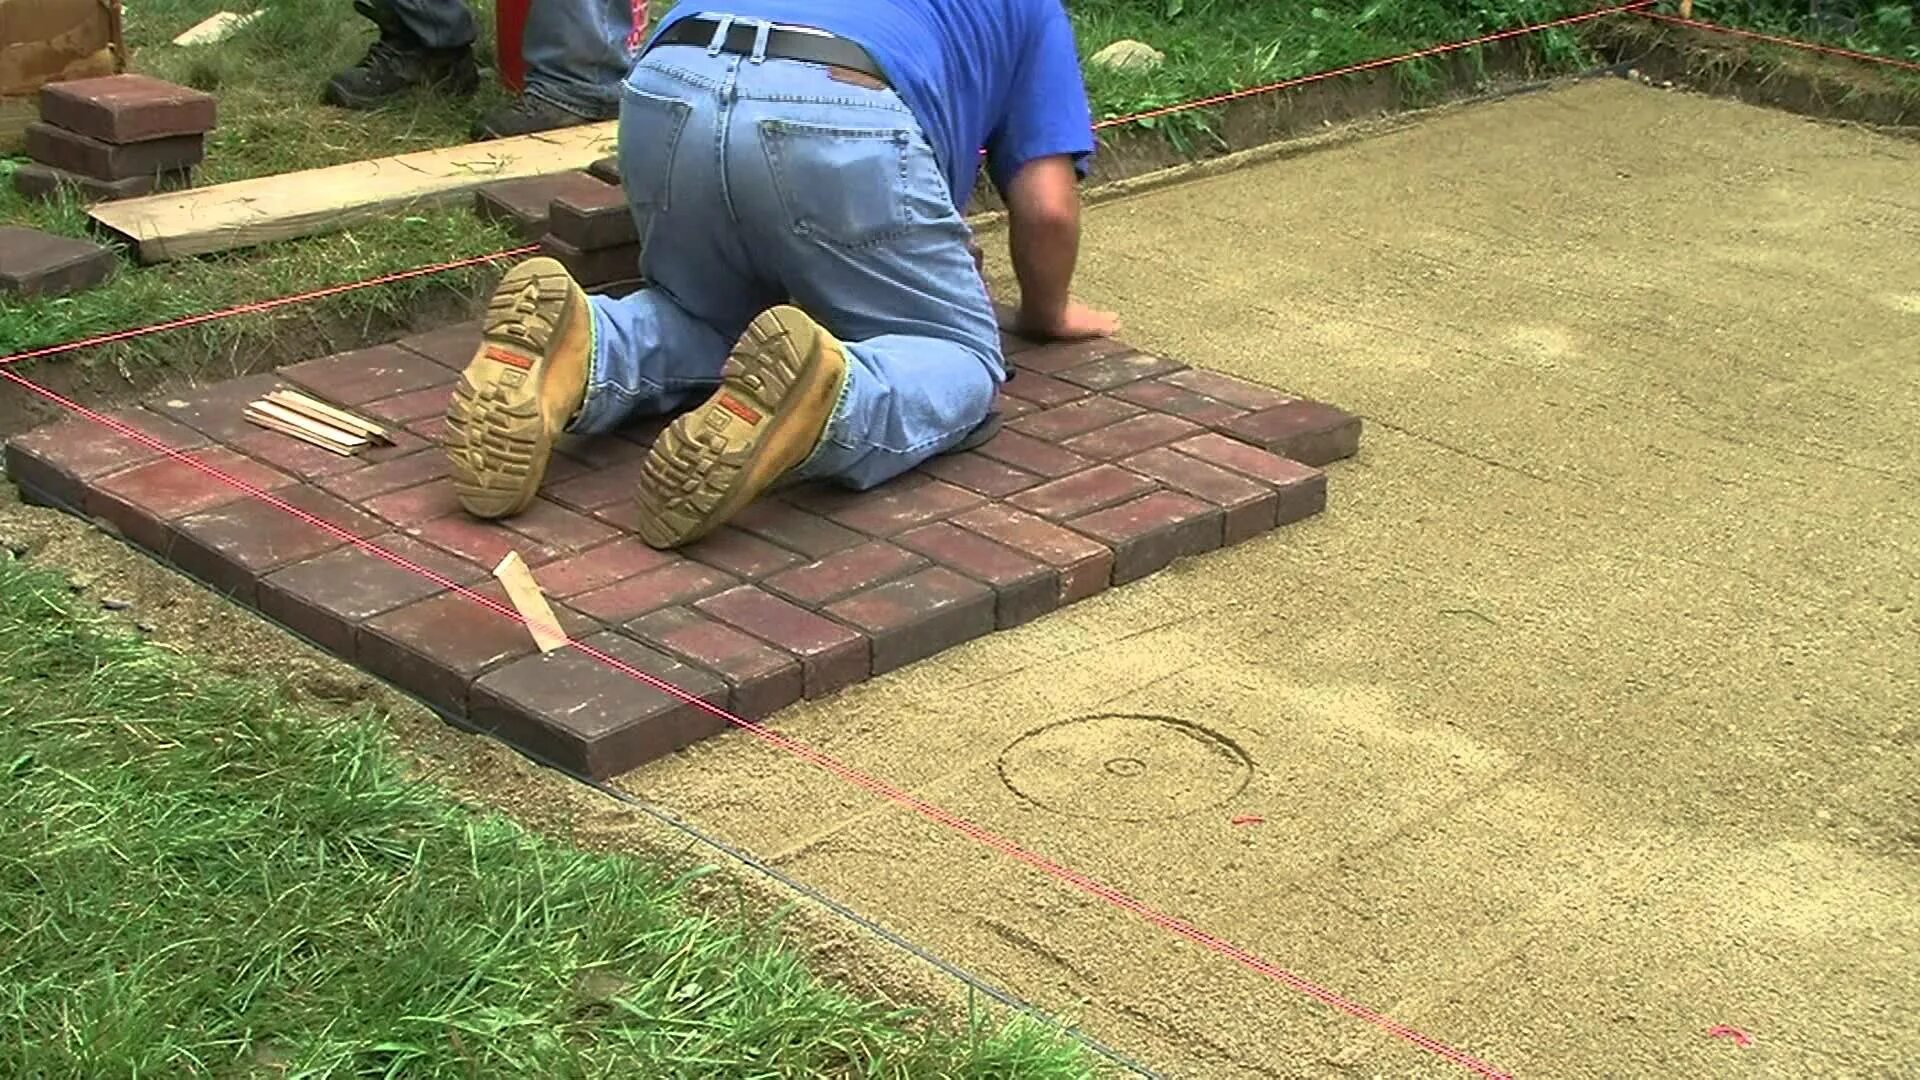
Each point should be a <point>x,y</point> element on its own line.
<point>526,115</point>
<point>398,63</point>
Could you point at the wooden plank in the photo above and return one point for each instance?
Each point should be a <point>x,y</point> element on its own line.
<point>216,27</point>
<point>247,213</point>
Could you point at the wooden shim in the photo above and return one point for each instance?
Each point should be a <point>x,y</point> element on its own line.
<point>246,213</point>
<point>315,409</point>
<point>530,602</point>
<point>272,423</point>
<point>312,427</point>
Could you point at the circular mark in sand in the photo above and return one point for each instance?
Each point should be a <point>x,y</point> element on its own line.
<point>1124,767</point>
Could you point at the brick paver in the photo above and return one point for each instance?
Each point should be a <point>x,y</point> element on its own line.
<point>127,108</point>
<point>1113,464</point>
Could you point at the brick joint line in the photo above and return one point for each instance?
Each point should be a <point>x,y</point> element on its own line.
<point>931,812</point>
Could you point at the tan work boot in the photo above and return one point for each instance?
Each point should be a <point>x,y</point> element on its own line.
<point>525,383</point>
<point>779,390</point>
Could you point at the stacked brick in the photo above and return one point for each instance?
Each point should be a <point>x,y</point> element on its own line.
<point>524,205</point>
<point>594,236</point>
<point>579,218</point>
<point>1112,465</point>
<point>114,137</point>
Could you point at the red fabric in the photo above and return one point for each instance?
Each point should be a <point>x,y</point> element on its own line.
<point>509,23</point>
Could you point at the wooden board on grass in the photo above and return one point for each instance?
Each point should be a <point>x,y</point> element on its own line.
<point>247,213</point>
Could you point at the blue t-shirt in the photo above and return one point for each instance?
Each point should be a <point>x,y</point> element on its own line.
<point>1003,75</point>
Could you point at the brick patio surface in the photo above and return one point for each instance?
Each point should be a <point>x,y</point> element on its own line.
<point>1112,464</point>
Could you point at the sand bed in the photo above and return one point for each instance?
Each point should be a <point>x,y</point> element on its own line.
<point>1584,721</point>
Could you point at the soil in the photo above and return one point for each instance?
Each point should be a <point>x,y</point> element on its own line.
<point>1614,748</point>
<point>1579,726</point>
<point>1809,83</point>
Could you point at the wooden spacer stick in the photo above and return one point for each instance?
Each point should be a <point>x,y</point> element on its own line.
<point>530,602</point>
<point>315,409</point>
<point>275,419</point>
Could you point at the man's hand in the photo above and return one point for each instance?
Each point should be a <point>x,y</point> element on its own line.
<point>1043,218</point>
<point>1076,322</point>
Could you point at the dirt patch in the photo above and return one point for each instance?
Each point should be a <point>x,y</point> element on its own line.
<point>1352,101</point>
<point>1121,767</point>
<point>1823,87</point>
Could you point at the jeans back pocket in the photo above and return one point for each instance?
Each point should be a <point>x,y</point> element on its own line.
<point>842,185</point>
<point>649,131</point>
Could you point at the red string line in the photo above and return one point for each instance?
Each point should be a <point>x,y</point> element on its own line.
<point>387,279</point>
<point>422,271</point>
<point>879,787</point>
<point>1791,43</point>
<point>1369,65</point>
<point>265,305</point>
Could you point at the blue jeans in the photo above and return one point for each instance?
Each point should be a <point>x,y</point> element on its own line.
<point>760,183</point>
<point>575,50</point>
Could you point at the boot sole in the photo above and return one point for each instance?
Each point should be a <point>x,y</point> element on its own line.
<point>497,440</point>
<point>695,478</point>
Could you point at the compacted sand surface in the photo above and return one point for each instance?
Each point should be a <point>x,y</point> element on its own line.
<point>1582,725</point>
<point>1584,722</point>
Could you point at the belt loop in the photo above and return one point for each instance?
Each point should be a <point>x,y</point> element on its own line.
<point>760,42</point>
<point>720,35</point>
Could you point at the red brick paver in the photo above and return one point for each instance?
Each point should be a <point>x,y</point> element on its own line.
<point>593,219</point>
<point>40,264</point>
<point>127,108</point>
<point>1112,465</point>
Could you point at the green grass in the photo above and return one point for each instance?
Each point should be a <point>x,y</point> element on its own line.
<point>1213,46</point>
<point>199,879</point>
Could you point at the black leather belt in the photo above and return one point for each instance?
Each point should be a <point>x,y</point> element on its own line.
<point>783,44</point>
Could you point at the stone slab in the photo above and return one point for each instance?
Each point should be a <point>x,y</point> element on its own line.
<point>38,264</point>
<point>35,180</point>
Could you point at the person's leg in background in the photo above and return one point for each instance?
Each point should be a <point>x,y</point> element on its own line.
<point>577,52</point>
<point>555,360</point>
<point>890,352</point>
<point>422,43</point>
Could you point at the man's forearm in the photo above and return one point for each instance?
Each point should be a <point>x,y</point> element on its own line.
<point>1043,236</point>
<point>1045,248</point>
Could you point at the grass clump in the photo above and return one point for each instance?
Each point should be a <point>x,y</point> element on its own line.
<point>199,879</point>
